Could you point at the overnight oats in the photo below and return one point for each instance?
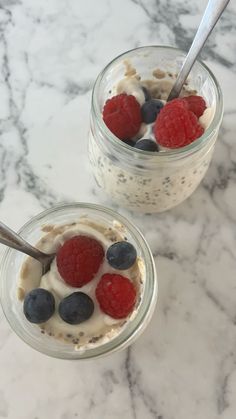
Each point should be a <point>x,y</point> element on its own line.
<point>148,154</point>
<point>99,292</point>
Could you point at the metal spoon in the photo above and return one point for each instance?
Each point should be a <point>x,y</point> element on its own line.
<point>212,13</point>
<point>13,240</point>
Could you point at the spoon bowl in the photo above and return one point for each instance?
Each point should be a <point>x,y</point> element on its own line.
<point>11,239</point>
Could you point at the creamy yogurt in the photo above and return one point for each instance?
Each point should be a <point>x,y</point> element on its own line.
<point>99,328</point>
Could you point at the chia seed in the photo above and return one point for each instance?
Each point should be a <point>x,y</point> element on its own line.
<point>139,166</point>
<point>94,339</point>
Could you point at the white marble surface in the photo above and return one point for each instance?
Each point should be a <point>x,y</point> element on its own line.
<point>184,365</point>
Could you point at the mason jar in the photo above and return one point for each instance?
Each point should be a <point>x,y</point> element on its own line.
<point>141,180</point>
<point>12,261</point>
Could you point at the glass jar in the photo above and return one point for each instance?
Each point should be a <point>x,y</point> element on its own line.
<point>140,180</point>
<point>9,274</point>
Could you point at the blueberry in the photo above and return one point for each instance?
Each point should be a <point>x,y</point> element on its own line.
<point>76,308</point>
<point>121,255</point>
<point>147,145</point>
<point>39,305</point>
<point>150,110</point>
<point>147,94</point>
<point>129,142</point>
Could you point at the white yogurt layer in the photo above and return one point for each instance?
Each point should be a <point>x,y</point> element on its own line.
<point>207,117</point>
<point>100,327</point>
<point>131,86</point>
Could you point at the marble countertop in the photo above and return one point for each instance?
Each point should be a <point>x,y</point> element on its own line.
<point>184,365</point>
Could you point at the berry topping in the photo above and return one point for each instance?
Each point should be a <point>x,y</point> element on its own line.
<point>150,110</point>
<point>147,94</point>
<point>176,126</point>
<point>79,259</point>
<point>121,255</point>
<point>116,295</point>
<point>147,145</point>
<point>122,115</point>
<point>196,104</point>
<point>76,308</point>
<point>39,305</point>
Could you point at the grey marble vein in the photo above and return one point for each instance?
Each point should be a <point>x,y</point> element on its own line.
<point>128,369</point>
<point>22,168</point>
<point>160,12</point>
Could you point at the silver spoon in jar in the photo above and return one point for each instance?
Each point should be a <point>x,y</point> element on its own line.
<point>13,240</point>
<point>211,15</point>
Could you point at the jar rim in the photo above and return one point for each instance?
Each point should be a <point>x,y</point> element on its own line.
<point>173,153</point>
<point>133,328</point>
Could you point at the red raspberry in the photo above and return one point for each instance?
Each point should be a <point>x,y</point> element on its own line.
<point>179,102</point>
<point>116,295</point>
<point>176,126</point>
<point>122,115</point>
<point>79,259</point>
<point>196,104</point>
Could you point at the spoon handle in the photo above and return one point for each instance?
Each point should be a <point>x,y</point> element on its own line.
<point>13,240</point>
<point>212,13</point>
